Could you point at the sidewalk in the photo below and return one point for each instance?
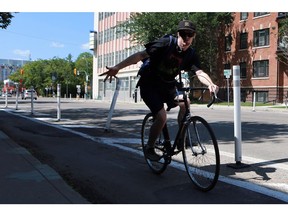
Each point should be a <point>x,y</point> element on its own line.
<point>27,181</point>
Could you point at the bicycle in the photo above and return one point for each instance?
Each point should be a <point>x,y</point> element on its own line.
<point>197,142</point>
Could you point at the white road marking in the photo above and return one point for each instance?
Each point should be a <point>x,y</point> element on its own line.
<point>115,143</point>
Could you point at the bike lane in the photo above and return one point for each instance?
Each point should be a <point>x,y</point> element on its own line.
<point>106,168</point>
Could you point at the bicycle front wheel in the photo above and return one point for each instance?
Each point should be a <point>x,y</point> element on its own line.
<point>201,154</point>
<point>157,167</point>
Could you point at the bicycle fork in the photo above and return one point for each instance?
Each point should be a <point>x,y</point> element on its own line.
<point>194,143</point>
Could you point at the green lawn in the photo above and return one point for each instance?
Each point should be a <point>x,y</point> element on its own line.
<point>250,104</point>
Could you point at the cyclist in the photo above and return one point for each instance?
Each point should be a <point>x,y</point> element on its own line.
<point>167,57</point>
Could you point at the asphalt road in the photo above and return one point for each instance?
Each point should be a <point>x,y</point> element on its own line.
<point>108,166</point>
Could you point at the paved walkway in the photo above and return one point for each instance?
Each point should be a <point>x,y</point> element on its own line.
<point>24,180</point>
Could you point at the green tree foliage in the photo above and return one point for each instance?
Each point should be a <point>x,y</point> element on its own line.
<point>145,27</point>
<point>283,41</point>
<point>46,74</point>
<point>5,19</point>
<point>84,65</point>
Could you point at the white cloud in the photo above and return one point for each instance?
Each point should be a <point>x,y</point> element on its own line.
<point>85,46</point>
<point>56,45</point>
<point>22,53</point>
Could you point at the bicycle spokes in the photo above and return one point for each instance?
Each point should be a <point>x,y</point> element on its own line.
<point>160,165</point>
<point>193,140</point>
<point>201,159</point>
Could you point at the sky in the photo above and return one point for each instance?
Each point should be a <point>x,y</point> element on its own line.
<point>44,35</point>
<point>42,31</point>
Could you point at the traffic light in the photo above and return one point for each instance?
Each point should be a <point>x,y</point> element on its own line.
<point>75,71</point>
<point>21,71</point>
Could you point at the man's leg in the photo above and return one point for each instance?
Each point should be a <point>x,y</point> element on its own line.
<point>182,111</point>
<point>157,126</point>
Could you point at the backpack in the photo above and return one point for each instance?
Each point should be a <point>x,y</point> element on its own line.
<point>145,66</point>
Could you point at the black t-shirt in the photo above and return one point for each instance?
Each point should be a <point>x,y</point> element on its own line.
<point>166,61</point>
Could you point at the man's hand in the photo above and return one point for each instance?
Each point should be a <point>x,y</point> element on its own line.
<point>213,88</point>
<point>112,71</point>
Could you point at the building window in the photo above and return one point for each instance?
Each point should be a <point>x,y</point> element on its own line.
<point>124,84</point>
<point>283,43</point>
<point>244,40</point>
<point>243,15</point>
<point>261,38</point>
<point>262,96</point>
<point>100,65</point>
<point>228,42</point>
<point>282,14</point>
<point>257,14</point>
<point>260,68</point>
<point>100,38</point>
<point>243,70</point>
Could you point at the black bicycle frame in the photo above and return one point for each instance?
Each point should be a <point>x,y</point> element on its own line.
<point>181,127</point>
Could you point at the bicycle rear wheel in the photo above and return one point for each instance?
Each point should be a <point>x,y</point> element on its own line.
<point>157,167</point>
<point>201,154</point>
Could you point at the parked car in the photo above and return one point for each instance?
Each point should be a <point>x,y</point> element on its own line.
<point>27,94</point>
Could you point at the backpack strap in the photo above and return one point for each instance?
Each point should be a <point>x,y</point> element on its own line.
<point>175,41</point>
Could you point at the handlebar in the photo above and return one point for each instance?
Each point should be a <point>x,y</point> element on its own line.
<point>186,89</point>
<point>212,100</point>
<point>213,96</point>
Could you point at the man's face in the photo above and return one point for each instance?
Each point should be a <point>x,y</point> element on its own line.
<point>185,39</point>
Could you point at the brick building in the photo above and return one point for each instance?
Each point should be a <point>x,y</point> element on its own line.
<point>252,42</point>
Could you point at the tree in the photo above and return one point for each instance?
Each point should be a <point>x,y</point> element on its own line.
<point>282,54</point>
<point>145,27</point>
<point>44,75</point>
<point>84,63</point>
<point>84,67</point>
<point>5,19</point>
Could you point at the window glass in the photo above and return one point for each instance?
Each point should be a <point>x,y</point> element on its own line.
<point>261,68</point>
<point>244,40</point>
<point>243,15</point>
<point>228,41</point>
<point>262,96</point>
<point>261,38</point>
<point>257,14</point>
<point>243,71</point>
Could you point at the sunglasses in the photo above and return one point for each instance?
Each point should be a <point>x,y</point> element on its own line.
<point>185,34</point>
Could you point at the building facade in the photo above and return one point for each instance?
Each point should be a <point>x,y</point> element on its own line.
<point>8,66</point>
<point>251,41</point>
<point>113,46</point>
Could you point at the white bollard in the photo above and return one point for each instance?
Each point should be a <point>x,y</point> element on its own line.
<point>17,96</point>
<point>58,102</point>
<point>32,100</point>
<point>237,118</point>
<point>6,99</point>
<point>118,84</point>
<point>237,113</point>
<point>254,101</point>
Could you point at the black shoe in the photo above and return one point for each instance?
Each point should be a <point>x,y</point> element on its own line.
<point>151,154</point>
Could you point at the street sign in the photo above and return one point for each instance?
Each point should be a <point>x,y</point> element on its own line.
<point>227,73</point>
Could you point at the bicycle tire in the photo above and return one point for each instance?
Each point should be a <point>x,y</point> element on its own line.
<point>201,154</point>
<point>157,167</point>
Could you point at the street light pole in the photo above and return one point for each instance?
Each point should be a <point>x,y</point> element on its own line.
<point>86,81</point>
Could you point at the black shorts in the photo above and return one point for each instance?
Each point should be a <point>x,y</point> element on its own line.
<point>155,96</point>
